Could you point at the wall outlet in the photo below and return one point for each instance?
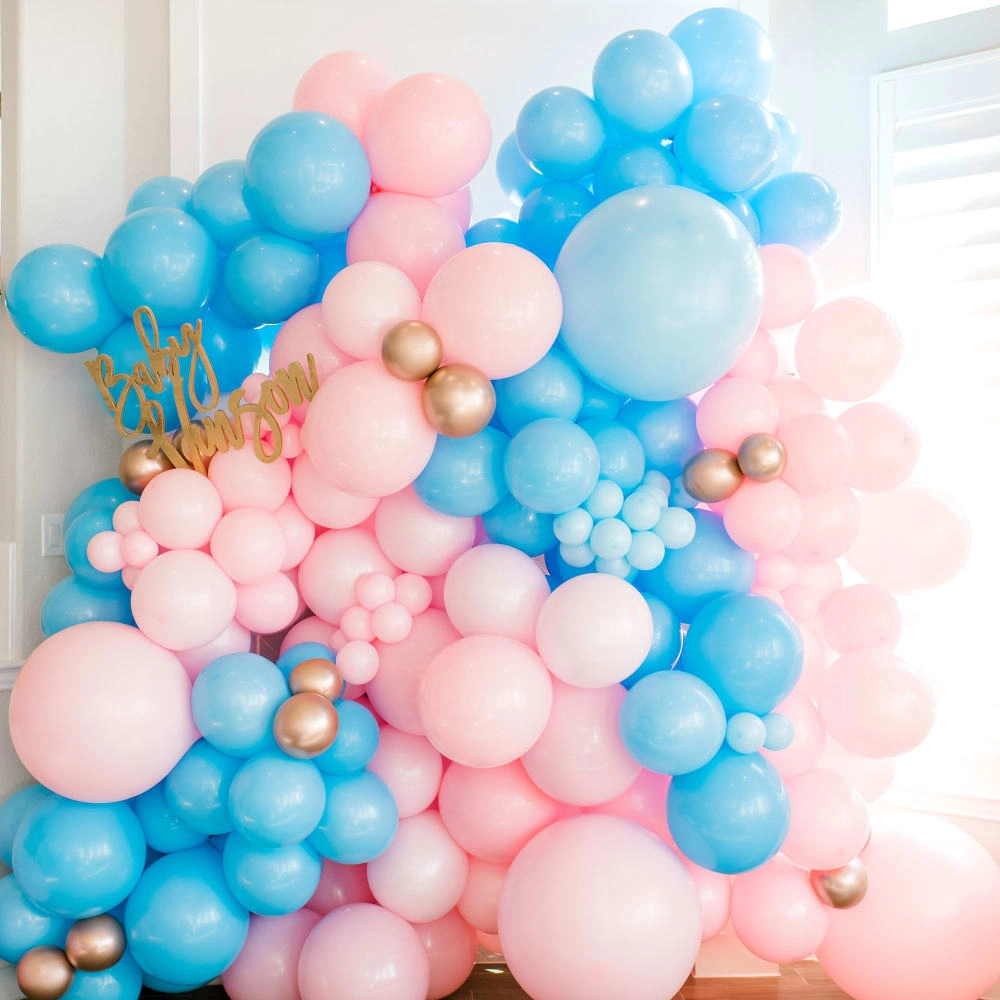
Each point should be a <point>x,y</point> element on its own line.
<point>52,535</point>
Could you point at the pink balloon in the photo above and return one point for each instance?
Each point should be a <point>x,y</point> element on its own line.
<point>322,502</point>
<point>763,517</point>
<point>485,699</point>
<point>391,622</point>
<point>645,803</point>
<point>759,361</point>
<point>126,517</point>
<point>451,946</point>
<point>813,662</point>
<point>413,592</point>
<point>732,410</point>
<point>489,942</point>
<point>310,629</point>
<point>775,570</point>
<point>104,552</point>
<point>358,661</point>
<point>875,704</point>
<point>634,932</point>
<point>818,451</point>
<point>815,585</point>
<point>267,968</point>
<point>99,713</point>
<point>410,767</point>
<point>792,285</point>
<point>794,398</point>
<point>872,778</point>
<point>776,913</point>
<point>243,480</point>
<point>929,925</point>
<point>234,638</point>
<point>830,524</point>
<point>249,545</point>
<point>861,616</point>
<point>848,349</point>
<point>428,135</point>
<point>340,885</point>
<point>345,86</point>
<point>138,549</point>
<point>299,531</point>
<point>886,446</point>
<point>481,896</point>
<point>363,952</point>
<point>714,896</point>
<point>458,204</point>
<point>594,630</point>
<point>179,509</point>
<point>418,539</point>
<point>269,606</point>
<point>910,539</point>
<point>494,306</point>
<point>809,741</point>
<point>183,599</point>
<point>366,431</point>
<point>829,824</point>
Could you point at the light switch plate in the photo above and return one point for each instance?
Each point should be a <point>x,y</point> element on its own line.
<point>52,535</point>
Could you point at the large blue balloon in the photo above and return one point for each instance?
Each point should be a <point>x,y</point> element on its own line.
<point>731,815</point>
<point>493,230</point>
<point>307,176</point>
<point>57,298</point>
<point>356,742</point>
<point>620,451</point>
<point>666,645</point>
<point>359,821</point>
<point>560,133</point>
<point>106,494</point>
<point>269,277</point>
<point>511,523</point>
<point>182,921</point>
<point>271,881</point>
<point>790,148</point>
<point>633,164</point>
<point>800,209</point>
<point>549,214</point>
<point>674,276</point>
<point>232,351</point>
<point>78,859</point>
<point>516,176</point>
<point>740,207</point>
<point>13,812</point>
<point>667,432</point>
<point>275,801</point>
<point>599,403</point>
<point>161,192</point>
<point>217,202</point>
<point>551,387</point>
<point>23,926</point>
<point>197,789</point>
<point>747,649</point>
<point>165,831</point>
<point>71,602</point>
<point>75,541</point>
<point>123,981</point>
<point>162,986</point>
<point>464,476</point>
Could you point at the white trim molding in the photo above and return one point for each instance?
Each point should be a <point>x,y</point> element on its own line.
<point>185,68</point>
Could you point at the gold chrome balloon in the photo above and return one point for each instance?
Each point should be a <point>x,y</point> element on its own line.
<point>44,973</point>
<point>137,470</point>
<point>411,351</point>
<point>843,887</point>
<point>761,458</point>
<point>306,725</point>
<point>712,475</point>
<point>317,676</point>
<point>95,944</point>
<point>458,400</point>
<point>184,446</point>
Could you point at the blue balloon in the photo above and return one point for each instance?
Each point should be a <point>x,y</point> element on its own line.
<point>78,859</point>
<point>560,133</point>
<point>642,82</point>
<point>234,700</point>
<point>182,921</point>
<point>633,164</point>
<point>224,307</point>
<point>747,649</point>
<point>711,566</point>
<point>268,277</point>
<point>13,812</point>
<point>729,53</point>
<point>464,477</point>
<point>217,202</point>
<point>162,986</point>
<point>307,176</point>
<point>779,731</point>
<point>800,209</point>
<point>332,260</point>
<point>549,214</point>
<point>57,298</point>
<point>162,258</point>
<point>740,207</point>
<point>301,652</point>
<point>677,280</point>
<point>165,831</point>
<point>23,926</point>
<point>105,494</point>
<point>511,523</point>
<point>666,431</point>
<point>275,801</point>
<point>232,351</point>
<point>731,815</point>
<point>356,742</point>
<point>599,403</point>
<point>551,387</point>
<point>620,451</point>
<point>746,732</point>
<point>71,602</point>
<point>666,645</point>
<point>359,820</point>
<point>560,569</point>
<point>271,881</point>
<point>790,147</point>
<point>197,789</point>
<point>77,537</point>
<point>516,176</point>
<point>161,192</point>
<point>123,981</point>
<point>679,497</point>
<point>495,230</point>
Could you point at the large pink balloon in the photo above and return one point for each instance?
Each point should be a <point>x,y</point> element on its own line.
<point>249,545</point>
<point>243,480</point>
<point>340,885</point>
<point>829,824</point>
<point>298,529</point>
<point>496,307</point>
<point>481,895</point>
<point>451,947</point>
<point>714,896</point>
<point>776,571</point>
<point>366,431</point>
<point>485,699</point>
<point>763,517</point>
<point>759,361</point>
<point>343,85</point>
<point>410,767</point>
<point>459,206</point>
<point>886,446</point>
<point>267,968</point>
<point>830,524</point>
<point>632,930</point>
<point>861,616</point>
<point>99,713</point>
<point>809,741</point>
<point>418,539</point>
<point>322,502</point>
<point>929,925</point>
<point>792,285</point>
<point>645,803</point>
<point>363,952</point>
<point>594,630</point>
<point>234,638</point>
<point>871,777</point>
<point>732,410</point>
<point>180,509</point>
<point>428,134</point>
<point>818,451</point>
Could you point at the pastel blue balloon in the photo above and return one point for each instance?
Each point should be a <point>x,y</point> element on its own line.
<point>641,510</point>
<point>611,538</point>
<point>268,277</point>
<point>605,501</point>
<point>620,451</point>
<point>631,165</point>
<point>573,527</point>
<point>217,202</point>
<point>728,52</point>
<point>13,812</point>
<point>77,537</point>
<point>162,986</point>
<point>197,789</point>
<point>740,207</point>
<point>552,465</point>
<point>516,176</point>
<point>356,742</point>
<point>165,831</point>
<point>747,649</point>
<point>711,566</point>
<point>577,556</point>
<point>23,926</point>
<point>672,723</point>
<point>551,387</point>
<point>275,801</point>
<point>161,192</point>
<point>745,732</point>
<point>105,494</point>
<point>71,602</point>
<point>666,646</point>
<point>307,176</point>
<point>464,477</point>
<point>359,820</point>
<point>332,260</point>
<point>790,147</point>
<point>57,298</point>
<point>679,497</point>
<point>224,307</point>
<point>494,230</point>
<point>779,731</point>
<point>646,551</point>
<point>271,881</point>
<point>234,700</point>
<point>666,431</point>
<point>800,209</point>
<point>232,351</point>
<point>78,859</point>
<point>599,403</point>
<point>162,258</point>
<point>301,652</point>
<point>730,816</point>
<point>123,981</point>
<point>560,133</point>
<point>674,276</point>
<point>642,82</point>
<point>511,523</point>
<point>549,214</point>
<point>182,921</point>
<point>618,566</point>
<point>676,527</point>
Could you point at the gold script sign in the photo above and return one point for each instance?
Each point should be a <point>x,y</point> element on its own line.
<point>202,432</point>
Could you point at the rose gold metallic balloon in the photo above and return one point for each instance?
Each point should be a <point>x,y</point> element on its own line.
<point>411,351</point>
<point>712,475</point>
<point>95,944</point>
<point>761,458</point>
<point>182,446</point>
<point>458,400</point>
<point>44,973</point>
<point>306,725</point>
<point>843,887</point>
<point>136,470</point>
<point>318,676</point>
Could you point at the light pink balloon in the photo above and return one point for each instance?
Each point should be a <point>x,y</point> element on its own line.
<point>267,967</point>
<point>310,629</point>
<point>763,517</point>
<point>104,552</point>
<point>830,524</point>
<point>886,446</point>
<point>792,285</point>
<point>410,767</point>
<point>366,431</point>
<point>816,584</point>
<point>496,307</point>
<point>481,896</point>
<point>451,946</point>
<point>794,398</point>
<point>818,452</point>
<point>759,361</point>
<point>357,660</point>
<point>363,952</point>
<point>129,575</point>
<point>322,502</point>
<point>391,622</point>
<point>876,705</point>
<point>183,599</point>
<point>243,480</point>
<point>249,545</point>
<point>418,539</point>
<point>340,885</point>
<point>645,803</point>
<point>633,932</point>
<point>809,741</point>
<point>776,914</point>
<point>485,699</point>
<point>714,897</point>
<point>489,942</point>
<point>594,630</point>
<point>269,606</point>
<point>458,204</point>
<point>234,638</point>
<point>732,410</point>
<point>829,823</point>
<point>345,86</point>
<point>872,778</point>
<point>813,662</point>
<point>428,135</point>
<point>126,517</point>
<point>299,531</point>
<point>910,539</point>
<point>180,508</point>
<point>99,713</point>
<point>861,616</point>
<point>776,571</point>
<point>139,549</point>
